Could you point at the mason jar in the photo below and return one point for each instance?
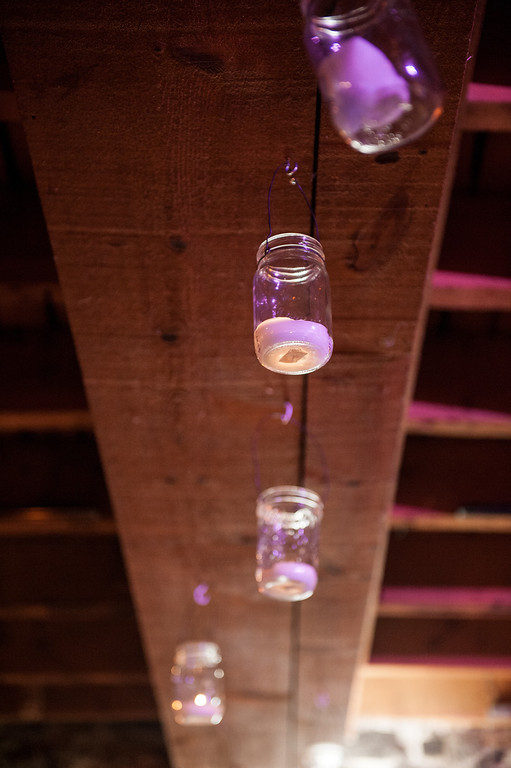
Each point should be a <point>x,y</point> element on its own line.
<point>374,69</point>
<point>198,684</point>
<point>288,529</point>
<point>292,311</point>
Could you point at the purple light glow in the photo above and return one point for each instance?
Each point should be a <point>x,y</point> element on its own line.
<point>322,700</point>
<point>288,413</point>
<point>411,70</point>
<point>200,594</point>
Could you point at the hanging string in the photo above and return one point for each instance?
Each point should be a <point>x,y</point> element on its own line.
<point>286,418</point>
<point>290,172</point>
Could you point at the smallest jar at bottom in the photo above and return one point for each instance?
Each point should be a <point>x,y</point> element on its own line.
<point>288,542</point>
<point>198,686</point>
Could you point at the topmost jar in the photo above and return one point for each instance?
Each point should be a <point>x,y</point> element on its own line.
<point>375,70</point>
<point>292,311</point>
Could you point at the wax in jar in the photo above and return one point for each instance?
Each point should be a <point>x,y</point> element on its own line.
<point>209,713</point>
<point>292,346</point>
<point>363,87</point>
<point>288,580</point>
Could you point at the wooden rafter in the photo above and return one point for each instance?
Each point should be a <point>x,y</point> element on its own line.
<point>154,132</point>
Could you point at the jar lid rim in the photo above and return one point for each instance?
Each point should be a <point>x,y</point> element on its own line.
<point>296,492</point>
<point>198,650</point>
<point>287,239</point>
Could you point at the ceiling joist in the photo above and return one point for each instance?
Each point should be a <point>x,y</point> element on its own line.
<point>154,131</point>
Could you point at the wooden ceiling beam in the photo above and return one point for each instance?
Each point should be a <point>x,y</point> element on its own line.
<point>439,420</point>
<point>415,518</point>
<point>45,421</point>
<point>455,695</point>
<point>154,132</point>
<point>487,108</point>
<point>467,292</point>
<point>45,521</point>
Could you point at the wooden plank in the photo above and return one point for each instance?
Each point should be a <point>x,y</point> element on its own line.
<point>488,108</point>
<point>44,521</point>
<point>45,421</point>
<point>60,612</point>
<point>460,291</point>
<point>437,420</point>
<point>161,144</point>
<point>453,694</point>
<point>171,265</point>
<point>467,671</point>
<point>383,224</point>
<point>446,602</point>
<point>405,518</point>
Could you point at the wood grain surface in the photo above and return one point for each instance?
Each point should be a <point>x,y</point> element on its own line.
<point>154,130</point>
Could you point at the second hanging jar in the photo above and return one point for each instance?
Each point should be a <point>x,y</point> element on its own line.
<point>292,310</point>
<point>288,527</point>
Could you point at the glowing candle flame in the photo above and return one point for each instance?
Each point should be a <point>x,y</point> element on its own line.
<point>200,700</point>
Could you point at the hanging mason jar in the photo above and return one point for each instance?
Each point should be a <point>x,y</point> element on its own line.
<point>323,754</point>
<point>289,518</point>
<point>292,311</point>
<point>374,69</point>
<point>198,684</point>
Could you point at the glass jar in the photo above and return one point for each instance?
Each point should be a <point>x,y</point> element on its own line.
<point>323,754</point>
<point>289,518</point>
<point>374,69</point>
<point>198,684</point>
<point>292,312</point>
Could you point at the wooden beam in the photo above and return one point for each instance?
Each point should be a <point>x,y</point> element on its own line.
<point>89,612</point>
<point>406,518</point>
<point>447,602</point>
<point>45,421</point>
<point>44,521</point>
<point>154,134</point>
<point>459,291</point>
<point>439,420</point>
<point>488,108</point>
<point>459,695</point>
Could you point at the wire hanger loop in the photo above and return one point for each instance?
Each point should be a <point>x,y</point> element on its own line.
<point>290,171</point>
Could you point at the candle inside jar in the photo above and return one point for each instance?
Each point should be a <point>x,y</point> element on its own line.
<point>200,711</point>
<point>288,580</point>
<point>285,345</point>
<point>363,87</point>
